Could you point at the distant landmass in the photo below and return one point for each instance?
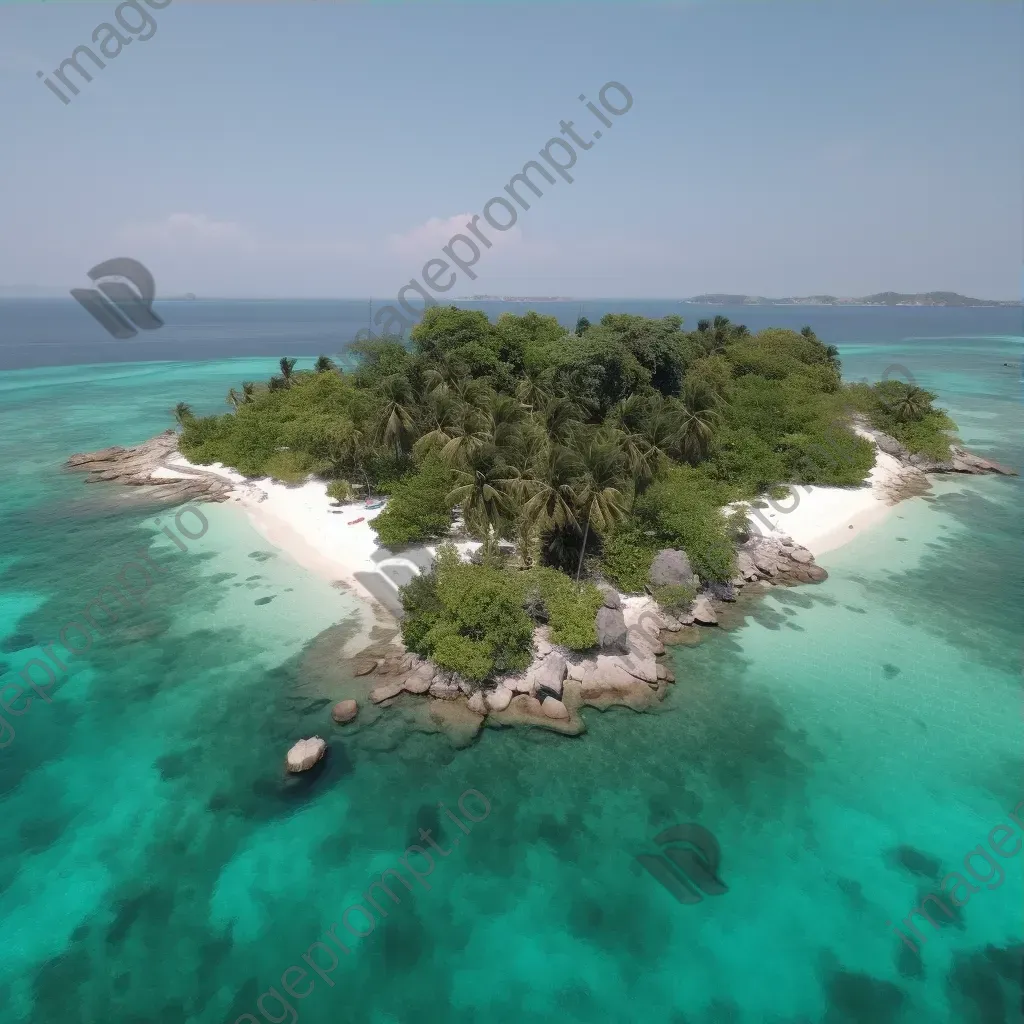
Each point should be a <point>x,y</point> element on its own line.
<point>519,298</point>
<point>878,299</point>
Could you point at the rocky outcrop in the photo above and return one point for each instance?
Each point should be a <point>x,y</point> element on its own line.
<point>703,612</point>
<point>545,676</point>
<point>671,568</point>
<point>611,629</point>
<point>305,754</point>
<point>135,466</point>
<point>777,559</point>
<point>960,460</point>
<point>625,669</point>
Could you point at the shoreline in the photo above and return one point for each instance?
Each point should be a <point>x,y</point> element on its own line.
<point>316,533</point>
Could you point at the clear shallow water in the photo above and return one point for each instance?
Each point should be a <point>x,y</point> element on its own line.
<point>155,865</point>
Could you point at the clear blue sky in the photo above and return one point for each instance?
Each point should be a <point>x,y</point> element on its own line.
<point>324,148</point>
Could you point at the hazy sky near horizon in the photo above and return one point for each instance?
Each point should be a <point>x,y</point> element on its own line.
<point>330,149</point>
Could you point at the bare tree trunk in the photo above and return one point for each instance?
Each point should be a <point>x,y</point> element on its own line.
<point>583,551</point>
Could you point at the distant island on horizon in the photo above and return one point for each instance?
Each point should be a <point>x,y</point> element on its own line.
<point>707,299</point>
<point>878,299</point>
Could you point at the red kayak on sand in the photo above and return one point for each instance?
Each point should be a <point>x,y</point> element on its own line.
<point>352,522</point>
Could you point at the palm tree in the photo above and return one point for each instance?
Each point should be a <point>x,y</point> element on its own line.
<point>632,420</point>
<point>182,413</point>
<point>535,387</point>
<point>599,497</point>
<point>481,489</point>
<point>909,403</point>
<point>276,383</point>
<point>561,419</point>
<point>442,420</point>
<point>552,494</point>
<point>323,364</point>
<point>233,399</point>
<point>395,424</point>
<point>248,390</point>
<point>287,365</point>
<point>741,331</point>
<point>581,326</point>
<point>721,322</point>
<point>703,326</point>
<point>444,373</point>
<point>507,417</point>
<point>698,417</point>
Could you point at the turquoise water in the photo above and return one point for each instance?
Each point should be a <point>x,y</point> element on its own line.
<point>848,746</point>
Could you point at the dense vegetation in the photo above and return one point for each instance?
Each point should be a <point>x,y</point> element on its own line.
<point>905,412</point>
<point>582,451</point>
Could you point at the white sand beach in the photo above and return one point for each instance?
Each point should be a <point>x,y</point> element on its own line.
<point>324,537</point>
<point>825,518</point>
<point>327,539</point>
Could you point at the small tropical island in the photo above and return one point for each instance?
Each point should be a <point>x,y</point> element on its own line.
<point>571,501</point>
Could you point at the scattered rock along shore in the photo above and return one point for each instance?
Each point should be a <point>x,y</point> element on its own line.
<point>960,459</point>
<point>627,668</point>
<point>135,466</point>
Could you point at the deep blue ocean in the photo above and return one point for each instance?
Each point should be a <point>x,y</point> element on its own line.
<point>849,745</point>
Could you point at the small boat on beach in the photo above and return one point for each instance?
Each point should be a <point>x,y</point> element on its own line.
<point>352,522</point>
<point>375,504</point>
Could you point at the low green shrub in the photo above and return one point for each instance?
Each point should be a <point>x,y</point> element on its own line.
<point>467,618</point>
<point>674,598</point>
<point>571,608</point>
<point>418,507</point>
<point>626,559</point>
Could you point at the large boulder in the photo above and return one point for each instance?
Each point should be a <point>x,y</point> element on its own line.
<point>392,688</point>
<point>549,675</point>
<point>499,698</point>
<point>703,612</point>
<point>305,754</point>
<point>477,704</point>
<point>554,708</point>
<point>611,629</point>
<point>420,680</point>
<point>456,721</point>
<point>645,645</point>
<point>443,688</point>
<point>610,596</point>
<point>721,591</point>
<point>344,711</point>
<point>671,568</point>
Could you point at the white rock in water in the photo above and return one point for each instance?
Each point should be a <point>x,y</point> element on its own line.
<point>305,754</point>
<point>344,711</point>
<point>554,708</point>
